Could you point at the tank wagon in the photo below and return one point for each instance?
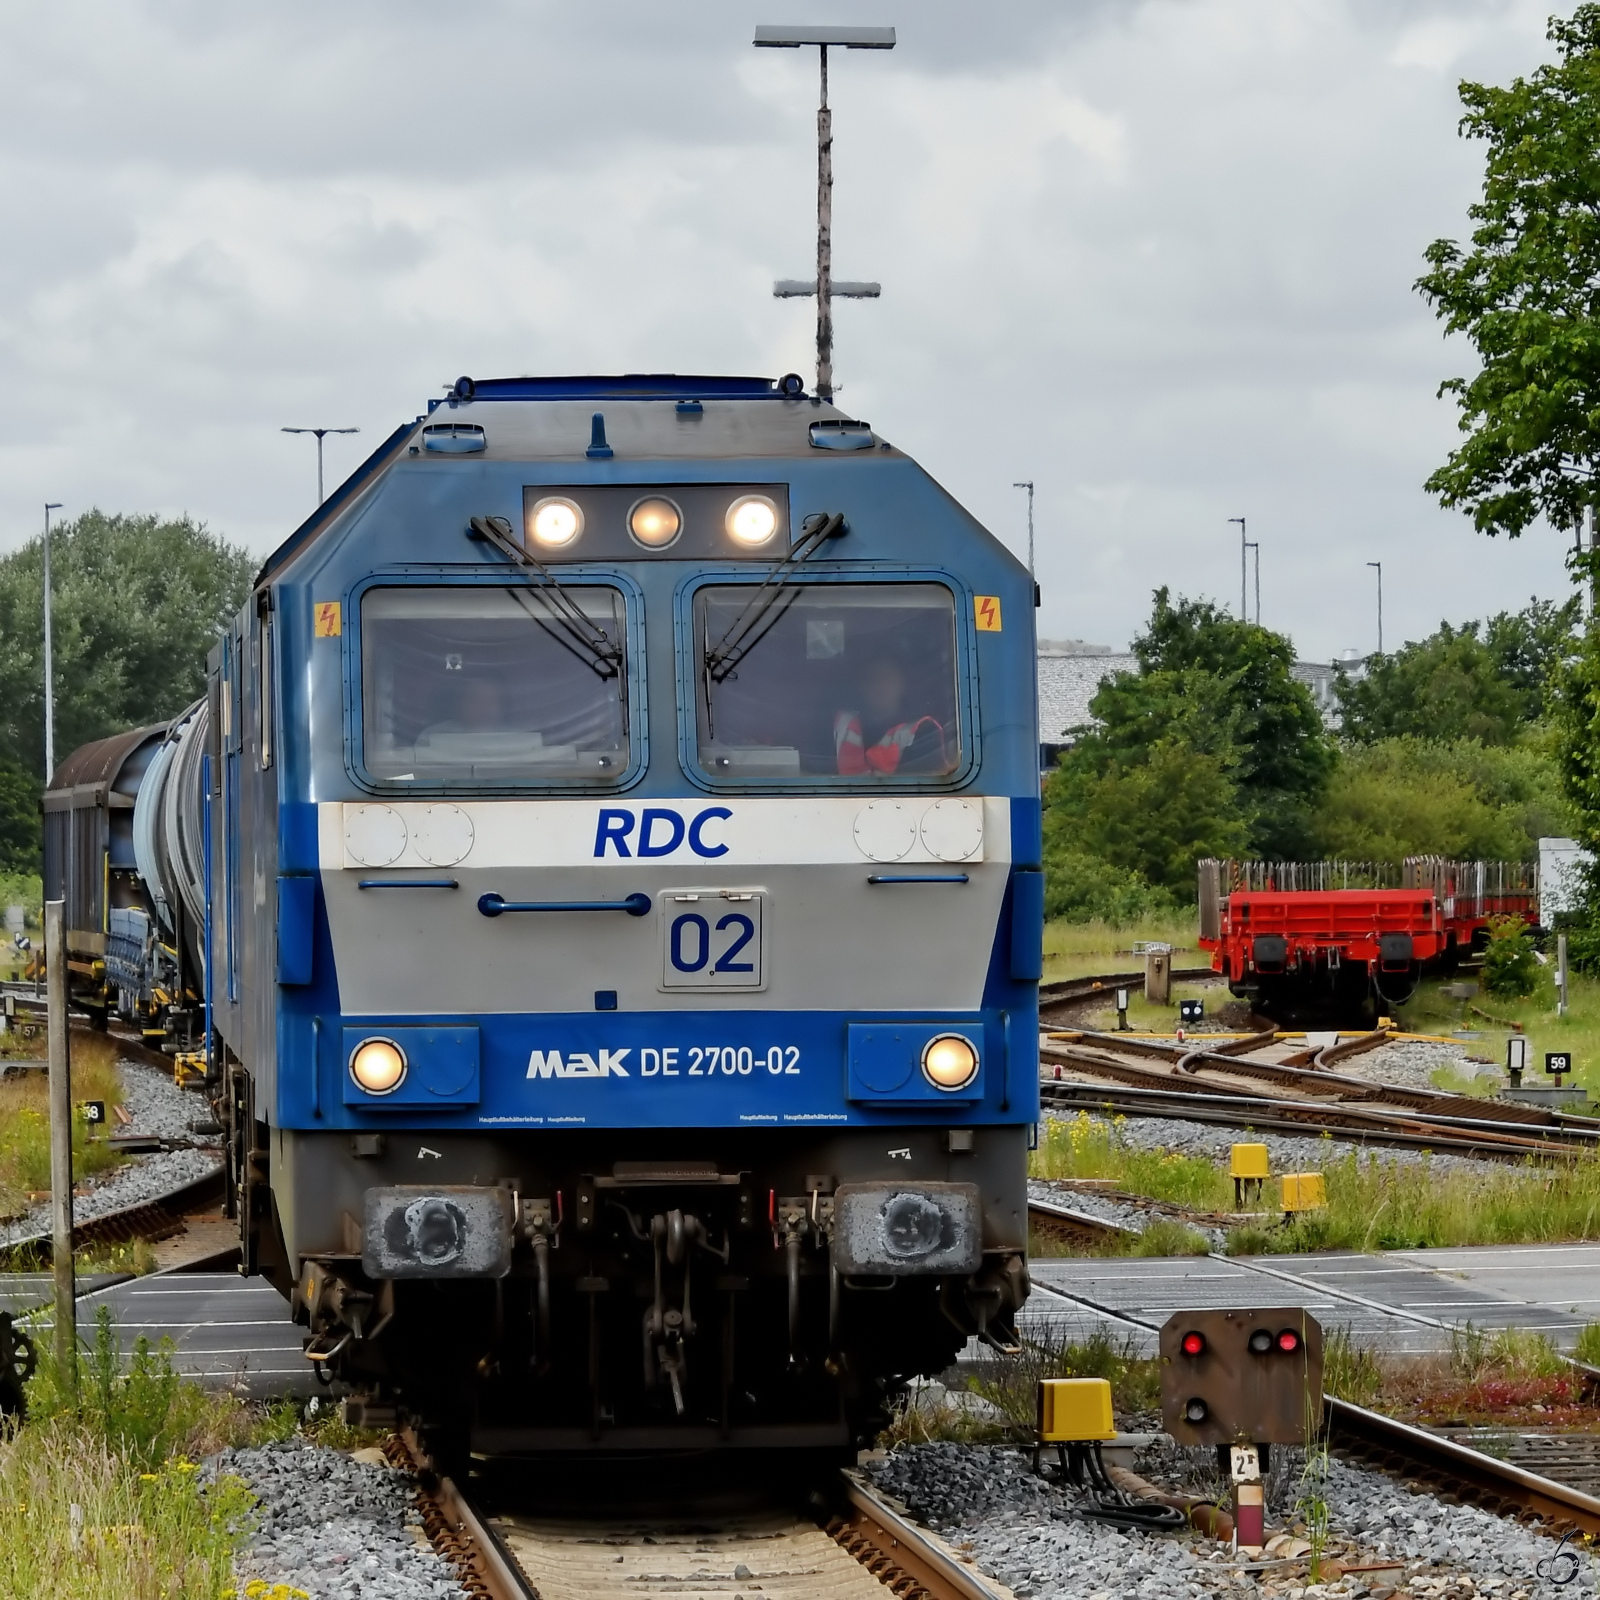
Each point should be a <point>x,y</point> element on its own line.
<point>610,846</point>
<point>1302,943</point>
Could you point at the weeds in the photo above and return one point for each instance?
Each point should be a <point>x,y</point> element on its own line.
<point>1084,1147</point>
<point>79,1521</point>
<point>1350,1371</point>
<point>1374,1202</point>
<point>1587,1349</point>
<point>1011,1386</point>
<point>1165,1237</point>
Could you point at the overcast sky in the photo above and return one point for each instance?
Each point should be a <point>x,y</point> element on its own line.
<point>1156,255</point>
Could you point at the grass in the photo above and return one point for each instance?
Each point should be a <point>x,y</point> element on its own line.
<point>1075,949</point>
<point>1375,1202</point>
<point>1509,1377</point>
<point>100,1498</point>
<point>1009,1387</point>
<point>25,1120</point>
<point>1430,1010</point>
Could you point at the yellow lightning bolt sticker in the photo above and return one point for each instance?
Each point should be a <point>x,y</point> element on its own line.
<point>327,624</point>
<point>986,612</point>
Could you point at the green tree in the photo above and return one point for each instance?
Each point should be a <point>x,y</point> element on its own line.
<point>1155,817</point>
<point>1527,293</point>
<point>1225,690</point>
<point>1408,796</point>
<point>137,603</point>
<point>1484,682</point>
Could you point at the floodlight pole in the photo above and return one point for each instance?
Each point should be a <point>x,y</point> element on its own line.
<point>1379,566</point>
<point>320,432</point>
<point>1029,487</point>
<point>49,674</point>
<point>774,38</point>
<point>1244,610</point>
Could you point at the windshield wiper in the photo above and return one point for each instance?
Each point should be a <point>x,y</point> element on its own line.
<point>771,600</point>
<point>595,646</point>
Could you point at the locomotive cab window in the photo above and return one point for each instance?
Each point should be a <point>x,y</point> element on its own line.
<point>834,682</point>
<point>471,686</point>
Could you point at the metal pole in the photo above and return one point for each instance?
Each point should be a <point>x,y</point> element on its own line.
<point>49,672</point>
<point>66,1328</point>
<point>824,238</point>
<point>1257,548</point>
<point>1561,974</point>
<point>1029,487</point>
<point>1244,609</point>
<point>1379,566</point>
<point>319,432</point>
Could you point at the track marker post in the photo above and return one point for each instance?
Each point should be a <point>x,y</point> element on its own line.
<point>66,1318</point>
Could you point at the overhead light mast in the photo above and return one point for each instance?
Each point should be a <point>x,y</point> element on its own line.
<point>49,673</point>
<point>320,432</point>
<point>824,288</point>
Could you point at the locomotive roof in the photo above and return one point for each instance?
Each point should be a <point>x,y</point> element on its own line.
<point>549,419</point>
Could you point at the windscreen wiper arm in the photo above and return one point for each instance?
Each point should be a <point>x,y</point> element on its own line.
<point>763,610</point>
<point>602,652</point>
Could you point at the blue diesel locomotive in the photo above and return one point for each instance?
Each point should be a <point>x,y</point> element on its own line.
<point>603,882</point>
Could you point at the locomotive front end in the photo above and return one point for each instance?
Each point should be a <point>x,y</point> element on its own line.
<point>627,920</point>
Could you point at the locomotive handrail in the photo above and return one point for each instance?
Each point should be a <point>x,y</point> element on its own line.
<point>917,877</point>
<point>408,883</point>
<point>492,905</point>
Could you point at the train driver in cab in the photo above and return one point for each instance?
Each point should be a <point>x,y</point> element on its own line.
<point>883,735</point>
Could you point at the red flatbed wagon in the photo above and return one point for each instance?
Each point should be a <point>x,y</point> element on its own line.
<point>1298,947</point>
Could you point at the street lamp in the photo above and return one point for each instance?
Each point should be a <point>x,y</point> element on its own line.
<point>320,433</point>
<point>1379,566</point>
<point>1255,544</point>
<point>1029,487</point>
<point>1244,614</point>
<point>825,289</point>
<point>49,676</point>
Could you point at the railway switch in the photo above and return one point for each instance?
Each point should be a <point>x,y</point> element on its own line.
<point>1075,1416</point>
<point>1304,1191</point>
<point>1075,1410</point>
<point>1249,1165</point>
<point>1241,1377</point>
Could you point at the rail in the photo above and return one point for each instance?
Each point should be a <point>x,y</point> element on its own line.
<point>1495,1485</point>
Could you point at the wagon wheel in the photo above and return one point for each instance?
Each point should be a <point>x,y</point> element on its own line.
<point>24,1359</point>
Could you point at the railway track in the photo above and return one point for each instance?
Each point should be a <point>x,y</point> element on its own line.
<point>850,1543</point>
<point>1454,1470</point>
<point>1058,1001</point>
<point>1265,1084</point>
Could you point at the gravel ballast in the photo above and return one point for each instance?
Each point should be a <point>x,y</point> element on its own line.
<point>335,1527</point>
<point>986,1502</point>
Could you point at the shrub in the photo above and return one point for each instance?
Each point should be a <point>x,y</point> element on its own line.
<point>1511,969</point>
<point>1083,888</point>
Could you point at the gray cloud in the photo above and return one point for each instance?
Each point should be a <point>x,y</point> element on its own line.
<point>1155,254</point>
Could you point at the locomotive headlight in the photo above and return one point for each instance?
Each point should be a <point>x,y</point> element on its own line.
<point>950,1062</point>
<point>555,522</point>
<point>752,520</point>
<point>655,522</point>
<point>378,1065</point>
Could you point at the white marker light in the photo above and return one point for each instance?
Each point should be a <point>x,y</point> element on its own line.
<point>655,522</point>
<point>555,522</point>
<point>378,1065</point>
<point>950,1062</point>
<point>752,520</point>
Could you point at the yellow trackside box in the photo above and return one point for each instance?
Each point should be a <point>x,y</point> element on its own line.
<point>1072,1410</point>
<point>1304,1191</point>
<point>1249,1161</point>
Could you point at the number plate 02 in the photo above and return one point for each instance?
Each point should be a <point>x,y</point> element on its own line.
<point>712,939</point>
